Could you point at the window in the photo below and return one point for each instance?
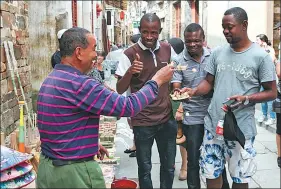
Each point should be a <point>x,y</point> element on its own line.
<point>108,18</point>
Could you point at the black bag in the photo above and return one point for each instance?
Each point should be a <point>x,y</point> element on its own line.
<point>231,131</point>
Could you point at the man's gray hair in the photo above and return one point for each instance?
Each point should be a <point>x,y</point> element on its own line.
<point>71,39</point>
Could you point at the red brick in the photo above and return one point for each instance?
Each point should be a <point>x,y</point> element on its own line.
<point>3,54</point>
<point>23,51</point>
<point>23,79</point>
<point>20,40</point>
<point>27,88</point>
<point>3,67</point>
<point>4,6</point>
<point>10,84</point>
<point>17,50</point>
<point>19,33</point>
<point>6,19</point>
<point>3,75</point>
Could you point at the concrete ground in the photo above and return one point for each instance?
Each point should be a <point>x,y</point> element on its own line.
<point>267,175</point>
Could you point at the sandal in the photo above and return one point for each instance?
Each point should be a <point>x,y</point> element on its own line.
<point>128,151</point>
<point>133,154</point>
<point>183,175</point>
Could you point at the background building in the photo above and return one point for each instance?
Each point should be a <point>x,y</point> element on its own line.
<point>262,16</point>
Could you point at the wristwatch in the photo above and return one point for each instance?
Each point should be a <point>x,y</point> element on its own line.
<point>246,102</point>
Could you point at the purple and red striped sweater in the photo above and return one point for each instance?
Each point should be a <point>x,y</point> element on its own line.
<point>69,106</point>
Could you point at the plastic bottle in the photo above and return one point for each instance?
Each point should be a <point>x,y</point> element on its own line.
<point>219,130</point>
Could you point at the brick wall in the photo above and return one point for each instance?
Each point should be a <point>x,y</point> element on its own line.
<point>14,27</point>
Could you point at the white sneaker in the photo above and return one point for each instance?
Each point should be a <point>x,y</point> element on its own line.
<point>261,119</point>
<point>270,121</point>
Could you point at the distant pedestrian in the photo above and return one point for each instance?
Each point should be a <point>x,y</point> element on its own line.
<point>263,41</point>
<point>56,57</point>
<point>277,102</point>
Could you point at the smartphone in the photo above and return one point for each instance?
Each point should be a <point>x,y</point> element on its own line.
<point>232,104</point>
<point>229,102</point>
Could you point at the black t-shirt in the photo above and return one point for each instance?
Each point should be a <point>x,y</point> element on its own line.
<point>56,58</point>
<point>101,74</point>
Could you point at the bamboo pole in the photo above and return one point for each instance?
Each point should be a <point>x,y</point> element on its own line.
<point>10,68</point>
<point>2,138</point>
<point>11,47</point>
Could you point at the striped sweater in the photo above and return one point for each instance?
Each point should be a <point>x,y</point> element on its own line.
<point>69,106</point>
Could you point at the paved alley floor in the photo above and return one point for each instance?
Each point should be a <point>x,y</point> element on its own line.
<point>267,175</point>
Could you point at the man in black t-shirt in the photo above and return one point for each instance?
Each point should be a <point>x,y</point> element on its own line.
<point>56,57</point>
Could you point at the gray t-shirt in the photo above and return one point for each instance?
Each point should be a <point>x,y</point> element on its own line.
<point>237,73</point>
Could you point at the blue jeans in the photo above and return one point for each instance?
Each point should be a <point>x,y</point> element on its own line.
<point>165,136</point>
<point>267,107</point>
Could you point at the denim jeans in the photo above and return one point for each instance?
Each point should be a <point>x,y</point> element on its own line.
<point>165,136</point>
<point>194,138</point>
<point>267,108</point>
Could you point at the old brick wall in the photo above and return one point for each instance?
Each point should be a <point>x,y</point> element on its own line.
<point>14,27</point>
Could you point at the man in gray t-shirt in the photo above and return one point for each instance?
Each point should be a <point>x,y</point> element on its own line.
<point>236,71</point>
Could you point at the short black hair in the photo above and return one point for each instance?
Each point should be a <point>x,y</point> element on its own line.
<point>101,53</point>
<point>135,38</point>
<point>73,38</point>
<point>193,27</point>
<point>177,44</point>
<point>239,14</point>
<point>150,17</point>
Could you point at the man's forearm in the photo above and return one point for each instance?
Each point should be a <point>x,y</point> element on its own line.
<point>123,83</point>
<point>203,88</point>
<point>269,93</point>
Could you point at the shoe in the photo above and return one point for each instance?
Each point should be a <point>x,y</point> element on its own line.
<point>270,121</point>
<point>128,151</point>
<point>279,162</point>
<point>183,175</point>
<point>133,154</point>
<point>261,119</point>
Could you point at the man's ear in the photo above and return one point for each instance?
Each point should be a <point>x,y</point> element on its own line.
<point>160,30</point>
<point>245,25</point>
<point>139,29</point>
<point>78,53</point>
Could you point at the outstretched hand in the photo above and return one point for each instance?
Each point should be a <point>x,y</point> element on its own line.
<point>102,151</point>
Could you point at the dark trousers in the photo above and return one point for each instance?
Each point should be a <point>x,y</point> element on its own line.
<point>194,138</point>
<point>165,136</point>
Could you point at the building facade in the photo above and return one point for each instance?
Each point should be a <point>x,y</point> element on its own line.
<point>261,15</point>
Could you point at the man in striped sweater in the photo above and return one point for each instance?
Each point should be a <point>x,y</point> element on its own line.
<point>69,106</point>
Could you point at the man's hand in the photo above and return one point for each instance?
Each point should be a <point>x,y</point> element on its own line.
<point>179,116</point>
<point>137,66</point>
<point>163,75</point>
<point>238,98</point>
<point>102,151</point>
<point>191,92</point>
